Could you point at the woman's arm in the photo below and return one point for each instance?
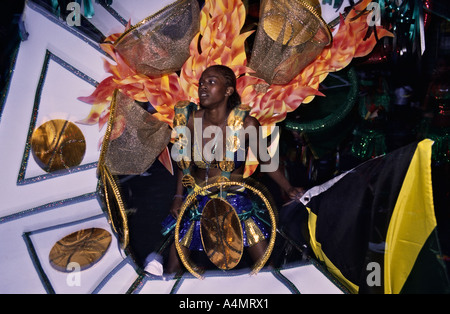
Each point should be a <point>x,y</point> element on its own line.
<point>178,197</point>
<point>279,177</point>
<point>276,175</point>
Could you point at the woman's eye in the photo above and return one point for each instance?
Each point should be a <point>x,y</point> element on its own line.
<point>207,82</point>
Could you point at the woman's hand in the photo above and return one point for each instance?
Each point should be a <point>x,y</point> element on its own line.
<point>295,193</point>
<point>176,206</point>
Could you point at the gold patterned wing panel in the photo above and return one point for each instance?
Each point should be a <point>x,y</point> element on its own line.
<point>160,43</point>
<point>290,35</point>
<point>142,138</point>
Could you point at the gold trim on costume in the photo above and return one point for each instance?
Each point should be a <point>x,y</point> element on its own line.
<point>226,165</point>
<point>236,123</point>
<point>222,179</point>
<point>188,181</point>
<point>179,119</point>
<point>184,163</point>
<point>107,136</point>
<point>254,234</point>
<point>233,143</point>
<point>244,107</point>
<point>187,239</point>
<point>108,180</point>
<point>181,141</point>
<point>182,104</point>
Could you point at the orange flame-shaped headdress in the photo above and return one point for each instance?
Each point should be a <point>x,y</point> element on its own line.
<point>292,55</point>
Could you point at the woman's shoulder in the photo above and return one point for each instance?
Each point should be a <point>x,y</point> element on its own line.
<point>251,121</point>
<point>194,114</point>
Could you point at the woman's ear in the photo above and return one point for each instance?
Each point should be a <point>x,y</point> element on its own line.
<point>230,91</point>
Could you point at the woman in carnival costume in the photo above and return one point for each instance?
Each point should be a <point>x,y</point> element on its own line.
<point>220,107</point>
<point>159,61</point>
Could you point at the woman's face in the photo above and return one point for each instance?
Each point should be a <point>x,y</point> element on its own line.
<point>212,89</point>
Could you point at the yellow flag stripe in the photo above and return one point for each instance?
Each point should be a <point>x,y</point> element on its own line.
<point>317,248</point>
<point>412,220</point>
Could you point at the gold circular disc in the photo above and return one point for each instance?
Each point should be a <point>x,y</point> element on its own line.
<point>221,234</point>
<point>85,247</point>
<point>58,144</point>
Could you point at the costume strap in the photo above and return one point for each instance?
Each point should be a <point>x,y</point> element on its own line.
<point>181,141</point>
<point>233,144</point>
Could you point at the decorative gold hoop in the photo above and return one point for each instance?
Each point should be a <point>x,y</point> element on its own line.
<point>109,183</point>
<point>189,200</point>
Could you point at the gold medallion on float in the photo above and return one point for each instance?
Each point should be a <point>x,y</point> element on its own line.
<point>58,144</point>
<point>84,247</point>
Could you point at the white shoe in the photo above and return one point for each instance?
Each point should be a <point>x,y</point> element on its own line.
<point>154,264</point>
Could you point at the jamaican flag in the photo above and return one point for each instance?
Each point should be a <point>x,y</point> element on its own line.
<point>374,227</point>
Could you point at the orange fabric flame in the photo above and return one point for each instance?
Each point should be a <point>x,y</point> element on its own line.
<point>219,41</point>
<point>348,43</point>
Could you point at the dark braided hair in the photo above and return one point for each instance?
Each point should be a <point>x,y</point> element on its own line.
<point>234,99</point>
